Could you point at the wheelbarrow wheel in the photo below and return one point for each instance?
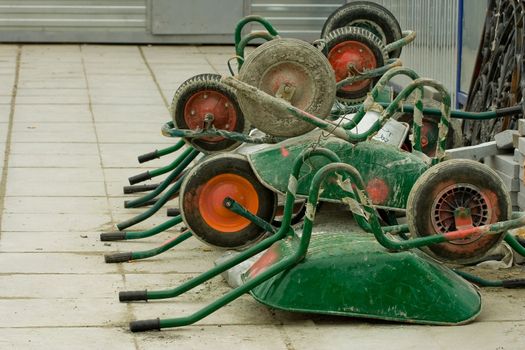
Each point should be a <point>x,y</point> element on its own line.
<point>204,96</point>
<point>351,50</point>
<point>202,195</point>
<point>454,185</point>
<point>370,16</point>
<point>294,71</point>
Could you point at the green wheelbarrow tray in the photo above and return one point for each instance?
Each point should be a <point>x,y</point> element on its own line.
<point>360,278</point>
<point>389,173</point>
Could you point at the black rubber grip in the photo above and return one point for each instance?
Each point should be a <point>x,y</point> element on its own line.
<point>143,158</point>
<point>173,212</point>
<point>139,188</point>
<point>145,204</point>
<point>502,112</point>
<point>145,325</point>
<point>113,236</point>
<point>139,178</point>
<point>118,257</point>
<point>516,283</point>
<point>133,295</point>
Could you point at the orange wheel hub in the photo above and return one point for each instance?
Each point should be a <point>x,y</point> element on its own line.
<point>212,196</point>
<point>351,53</point>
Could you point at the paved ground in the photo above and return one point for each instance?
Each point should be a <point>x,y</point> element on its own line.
<point>70,133</point>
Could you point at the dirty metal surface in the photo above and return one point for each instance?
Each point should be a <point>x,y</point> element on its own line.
<point>348,273</point>
<point>389,173</point>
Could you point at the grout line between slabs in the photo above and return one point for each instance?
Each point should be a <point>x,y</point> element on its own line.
<point>154,77</point>
<point>14,91</point>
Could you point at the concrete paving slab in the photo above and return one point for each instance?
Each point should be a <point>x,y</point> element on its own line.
<point>131,133</point>
<point>4,115</point>
<point>66,205</point>
<point>56,222</point>
<point>56,175</point>
<point>47,113</point>
<point>57,242</point>
<point>53,132</point>
<point>54,161</point>
<point>58,312</point>
<point>220,338</point>
<point>121,113</point>
<point>54,263</point>
<point>22,286</point>
<point>59,149</point>
<point>42,188</point>
<point>481,335</point>
<point>66,338</point>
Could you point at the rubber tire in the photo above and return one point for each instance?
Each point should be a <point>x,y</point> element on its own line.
<point>184,93</point>
<point>423,194</point>
<point>371,41</point>
<point>297,52</point>
<point>369,11</point>
<point>189,198</point>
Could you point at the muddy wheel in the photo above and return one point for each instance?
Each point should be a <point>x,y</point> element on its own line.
<point>204,190</point>
<point>204,96</point>
<point>370,16</point>
<point>457,185</point>
<point>357,50</point>
<point>295,71</point>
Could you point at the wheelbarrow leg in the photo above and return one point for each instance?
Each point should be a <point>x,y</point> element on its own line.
<point>186,158</point>
<point>511,283</point>
<point>143,158</point>
<point>156,207</point>
<point>148,175</point>
<point>248,253</point>
<point>126,235</point>
<point>143,254</point>
<point>157,324</point>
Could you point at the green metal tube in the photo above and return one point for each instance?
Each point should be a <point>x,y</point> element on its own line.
<point>380,85</point>
<point>478,280</point>
<point>240,210</point>
<point>143,254</point>
<point>408,37</point>
<point>165,169</point>
<point>253,18</point>
<point>241,45</point>
<point>369,74</point>
<point>155,230</point>
<point>184,160</point>
<point>169,130</point>
<point>156,207</point>
<point>171,149</point>
<point>514,244</point>
<point>230,296</point>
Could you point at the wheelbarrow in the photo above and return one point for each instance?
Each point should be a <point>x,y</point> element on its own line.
<point>362,35</point>
<point>344,273</point>
<point>377,186</point>
<point>191,108</point>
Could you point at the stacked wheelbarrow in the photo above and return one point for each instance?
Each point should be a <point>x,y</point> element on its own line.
<point>305,149</point>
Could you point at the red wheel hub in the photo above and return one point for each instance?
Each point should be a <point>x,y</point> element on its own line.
<point>460,197</point>
<point>211,199</point>
<point>354,55</point>
<point>214,104</point>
